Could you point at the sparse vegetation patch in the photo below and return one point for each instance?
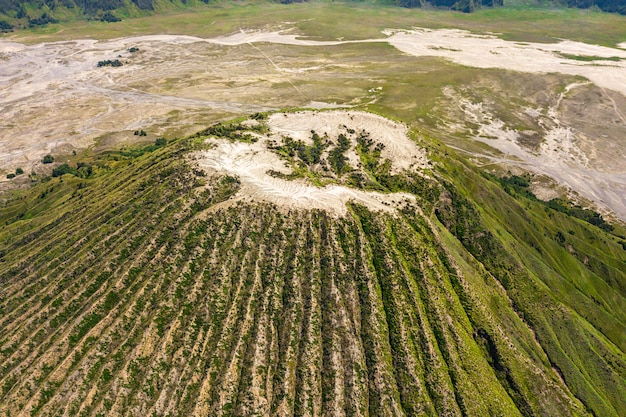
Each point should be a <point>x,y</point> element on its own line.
<point>110,63</point>
<point>590,58</point>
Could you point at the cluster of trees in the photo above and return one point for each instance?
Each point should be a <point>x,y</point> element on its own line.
<point>109,63</point>
<point>18,171</point>
<point>461,5</point>
<point>5,26</point>
<point>337,158</point>
<point>466,6</point>
<point>516,185</point>
<point>82,170</point>
<point>233,131</point>
<point>310,155</point>
<point>144,4</point>
<point>613,6</point>
<point>109,17</point>
<point>44,19</point>
<point>42,12</point>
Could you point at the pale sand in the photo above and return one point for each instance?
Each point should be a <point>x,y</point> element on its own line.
<point>250,163</point>
<point>53,99</point>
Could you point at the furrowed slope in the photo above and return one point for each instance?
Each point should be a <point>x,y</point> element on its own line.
<point>152,288</point>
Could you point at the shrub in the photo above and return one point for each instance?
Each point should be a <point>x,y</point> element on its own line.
<point>5,26</point>
<point>109,63</point>
<point>43,20</point>
<point>19,171</point>
<point>62,170</point>
<point>109,17</point>
<point>84,170</point>
<point>48,159</point>
<point>9,176</point>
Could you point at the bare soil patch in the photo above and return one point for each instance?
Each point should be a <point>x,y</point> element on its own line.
<point>580,147</point>
<point>252,163</point>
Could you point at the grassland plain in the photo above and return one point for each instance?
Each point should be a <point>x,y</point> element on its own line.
<point>128,293</point>
<point>339,20</point>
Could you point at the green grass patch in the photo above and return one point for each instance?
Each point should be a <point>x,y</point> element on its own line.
<point>333,21</point>
<point>591,58</point>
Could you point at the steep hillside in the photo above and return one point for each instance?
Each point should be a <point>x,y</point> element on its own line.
<point>165,280</point>
<point>28,13</point>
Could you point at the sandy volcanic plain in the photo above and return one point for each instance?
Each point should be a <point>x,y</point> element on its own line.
<point>54,98</point>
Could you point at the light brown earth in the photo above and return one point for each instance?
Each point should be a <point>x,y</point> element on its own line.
<point>250,162</point>
<point>53,98</point>
<point>583,150</point>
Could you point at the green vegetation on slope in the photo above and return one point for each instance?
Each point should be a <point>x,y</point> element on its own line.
<point>128,292</point>
<point>31,13</point>
<point>345,20</point>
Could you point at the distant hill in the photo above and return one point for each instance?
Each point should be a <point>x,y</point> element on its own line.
<point>612,6</point>
<point>24,13</point>
<point>28,13</point>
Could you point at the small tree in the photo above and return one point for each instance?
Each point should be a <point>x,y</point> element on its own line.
<point>19,171</point>
<point>5,26</point>
<point>62,170</point>
<point>48,159</point>
<point>109,17</point>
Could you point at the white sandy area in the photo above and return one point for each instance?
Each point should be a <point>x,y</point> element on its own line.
<point>558,157</point>
<point>399,149</point>
<point>489,51</point>
<point>463,47</point>
<point>65,72</point>
<point>481,51</point>
<point>250,163</point>
<point>559,161</point>
<point>466,48</point>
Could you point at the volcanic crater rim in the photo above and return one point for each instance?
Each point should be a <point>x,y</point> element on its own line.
<point>265,176</point>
